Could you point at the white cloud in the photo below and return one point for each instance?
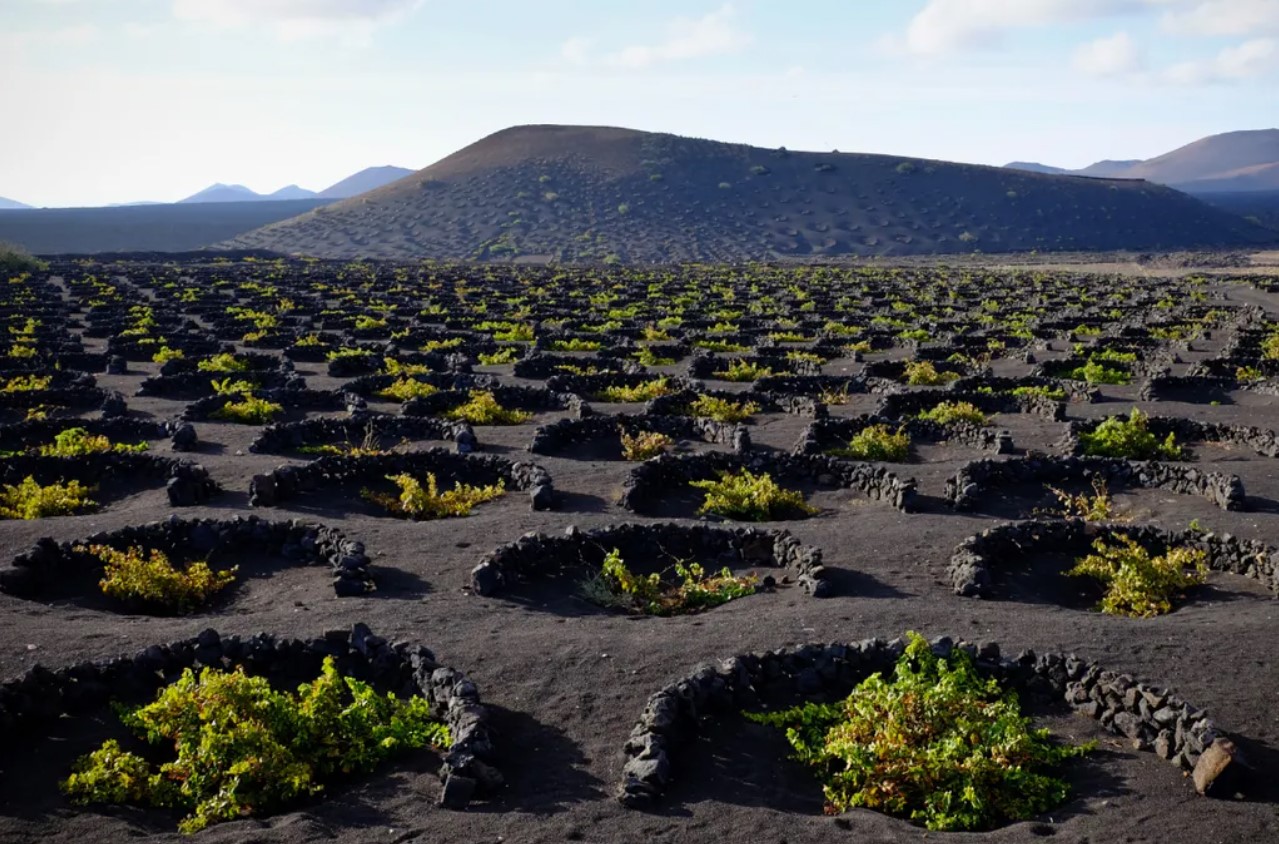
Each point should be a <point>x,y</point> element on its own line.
<point>576,50</point>
<point>1116,55</point>
<point>1248,60</point>
<point>298,19</point>
<point>944,26</point>
<point>1223,17</point>
<point>712,34</point>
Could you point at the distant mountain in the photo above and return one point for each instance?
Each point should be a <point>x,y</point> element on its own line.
<point>1233,161</point>
<point>589,193</point>
<point>1108,169</point>
<point>11,204</point>
<point>292,192</point>
<point>1035,167</point>
<point>1226,163</point>
<point>222,193</point>
<point>366,180</point>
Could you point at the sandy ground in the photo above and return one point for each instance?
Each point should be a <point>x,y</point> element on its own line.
<point>568,680</point>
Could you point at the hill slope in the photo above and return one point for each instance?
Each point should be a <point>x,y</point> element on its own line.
<point>11,204</point>
<point>370,178</point>
<point>1232,161</point>
<point>587,193</point>
<point>1249,160</point>
<point>141,228</point>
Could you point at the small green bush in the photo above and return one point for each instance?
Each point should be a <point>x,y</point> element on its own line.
<point>166,354</point>
<point>949,412</point>
<point>75,442</point>
<point>1097,507</point>
<point>741,370</point>
<point>576,344</point>
<point>937,744</point>
<point>26,384</point>
<point>644,444</point>
<point>1139,584</point>
<point>508,354</point>
<point>224,362</point>
<point>29,500</point>
<point>250,410</point>
<point>693,590</point>
<point>232,386</point>
<point>1130,439</point>
<point>922,373</point>
<point>1051,393</point>
<point>416,502</point>
<point>391,366</point>
<point>648,357</point>
<point>877,442</point>
<point>15,260</point>
<point>1095,372</point>
<point>748,497</point>
<point>404,389</point>
<point>640,392</point>
<point>722,410</point>
<point>239,748</point>
<point>152,579</point>
<point>483,409</point>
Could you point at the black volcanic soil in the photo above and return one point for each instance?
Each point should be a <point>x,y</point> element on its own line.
<point>568,681</point>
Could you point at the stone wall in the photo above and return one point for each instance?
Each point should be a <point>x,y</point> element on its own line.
<point>652,479</point>
<point>1149,717</point>
<point>980,476</point>
<point>33,702</point>
<point>976,558</point>
<point>287,482</point>
<point>540,555</point>
<point>296,541</point>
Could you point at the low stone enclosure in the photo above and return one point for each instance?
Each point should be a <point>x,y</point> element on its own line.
<point>589,386</point>
<point>913,403</point>
<point>194,385</point>
<point>538,555</point>
<point>1190,388</point>
<point>79,399</point>
<point>534,399</point>
<point>32,703</point>
<point>567,434</point>
<point>676,404</point>
<point>287,482</point>
<point>302,400</point>
<point>973,479</point>
<point>301,543</point>
<point>186,483</point>
<point>1150,717</point>
<point>369,385</point>
<point>545,365</point>
<point>828,433</point>
<point>651,480</point>
<point>814,386</point>
<point>1261,440</point>
<point>706,364</point>
<point>281,437</point>
<point>974,561</point>
<point>1077,391</point>
<point>34,432</point>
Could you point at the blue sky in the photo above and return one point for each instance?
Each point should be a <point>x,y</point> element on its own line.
<point>155,99</point>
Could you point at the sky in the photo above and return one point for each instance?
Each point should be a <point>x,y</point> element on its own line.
<point>107,101</point>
